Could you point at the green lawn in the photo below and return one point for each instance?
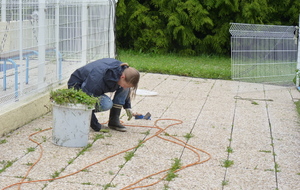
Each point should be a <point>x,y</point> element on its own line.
<point>204,66</point>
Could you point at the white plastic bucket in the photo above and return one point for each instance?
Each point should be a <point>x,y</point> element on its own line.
<point>71,125</point>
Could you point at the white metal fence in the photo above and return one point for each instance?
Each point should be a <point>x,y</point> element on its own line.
<point>43,41</point>
<point>263,53</point>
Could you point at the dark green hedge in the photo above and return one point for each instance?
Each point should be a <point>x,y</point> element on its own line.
<point>193,27</point>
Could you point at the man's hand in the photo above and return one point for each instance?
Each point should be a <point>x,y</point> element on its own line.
<point>129,113</point>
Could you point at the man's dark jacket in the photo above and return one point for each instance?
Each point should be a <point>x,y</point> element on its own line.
<point>98,77</point>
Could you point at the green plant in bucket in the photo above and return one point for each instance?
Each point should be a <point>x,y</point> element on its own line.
<point>72,96</point>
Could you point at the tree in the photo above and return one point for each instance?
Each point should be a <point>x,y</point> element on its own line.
<point>194,26</point>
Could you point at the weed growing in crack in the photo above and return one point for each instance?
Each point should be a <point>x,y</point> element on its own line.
<point>227,163</point>
<point>104,130</point>
<point>106,186</point>
<point>146,133</point>
<point>166,134</point>
<point>188,136</point>
<point>30,149</point>
<point>87,183</point>
<point>269,170</point>
<point>175,166</point>
<point>6,164</point>
<point>254,103</point>
<point>44,138</point>
<point>97,137</point>
<point>3,141</point>
<point>141,143</point>
<point>128,155</point>
<point>225,182</point>
<point>55,175</point>
<point>229,149</point>
<point>29,164</point>
<point>277,167</point>
<point>166,187</point>
<point>71,161</point>
<point>45,185</point>
<point>84,149</point>
<point>265,151</point>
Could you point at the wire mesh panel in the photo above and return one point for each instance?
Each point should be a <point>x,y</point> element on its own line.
<point>43,41</point>
<point>263,53</point>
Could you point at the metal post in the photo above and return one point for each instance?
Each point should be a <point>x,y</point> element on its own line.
<point>41,44</point>
<point>84,27</point>
<point>3,11</point>
<point>20,55</point>
<point>58,56</point>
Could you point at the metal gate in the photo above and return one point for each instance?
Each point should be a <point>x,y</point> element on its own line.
<point>263,53</point>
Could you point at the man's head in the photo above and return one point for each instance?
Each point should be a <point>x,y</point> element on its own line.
<point>130,79</point>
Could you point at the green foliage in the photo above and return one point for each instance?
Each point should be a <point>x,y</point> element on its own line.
<point>6,164</point>
<point>129,155</point>
<point>229,149</point>
<point>172,172</point>
<point>188,136</point>
<point>30,149</point>
<point>227,163</point>
<point>3,141</point>
<point>72,96</point>
<point>192,27</point>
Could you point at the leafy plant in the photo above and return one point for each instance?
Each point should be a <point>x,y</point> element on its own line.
<point>72,96</point>
<point>175,166</point>
<point>265,151</point>
<point>106,186</point>
<point>188,136</point>
<point>6,164</point>
<point>228,163</point>
<point>129,155</point>
<point>3,141</point>
<point>87,183</point>
<point>229,149</point>
<point>224,182</point>
<point>30,149</point>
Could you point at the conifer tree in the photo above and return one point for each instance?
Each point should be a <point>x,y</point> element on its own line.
<point>194,27</point>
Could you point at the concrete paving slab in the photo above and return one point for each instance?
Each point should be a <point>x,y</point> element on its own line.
<point>219,115</point>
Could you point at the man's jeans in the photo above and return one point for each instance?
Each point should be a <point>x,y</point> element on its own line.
<point>105,103</point>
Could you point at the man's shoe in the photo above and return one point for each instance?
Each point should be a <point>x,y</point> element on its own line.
<point>114,121</point>
<point>118,128</point>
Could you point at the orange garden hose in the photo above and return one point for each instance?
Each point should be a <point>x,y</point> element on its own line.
<point>130,186</point>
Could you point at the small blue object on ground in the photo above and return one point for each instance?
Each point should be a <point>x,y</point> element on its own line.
<point>147,116</point>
